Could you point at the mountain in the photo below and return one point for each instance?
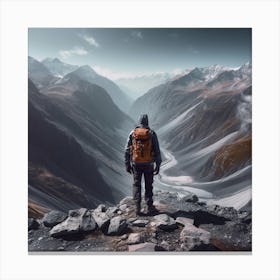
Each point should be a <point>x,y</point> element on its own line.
<point>57,67</point>
<point>75,149</point>
<point>86,73</point>
<point>203,120</point>
<point>139,85</point>
<point>39,73</point>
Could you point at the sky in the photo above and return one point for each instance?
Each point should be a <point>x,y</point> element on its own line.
<point>128,52</point>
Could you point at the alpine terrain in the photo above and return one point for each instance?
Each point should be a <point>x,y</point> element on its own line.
<point>79,193</point>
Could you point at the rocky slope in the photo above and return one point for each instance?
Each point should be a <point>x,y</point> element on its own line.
<point>203,118</point>
<point>181,223</point>
<point>76,135</point>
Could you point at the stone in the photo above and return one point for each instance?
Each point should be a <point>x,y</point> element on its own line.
<point>101,208</point>
<point>232,236</point>
<point>124,237</point>
<point>134,238</point>
<point>128,200</point>
<point>79,220</point>
<point>33,224</point>
<point>165,222</point>
<point>140,223</point>
<point>111,211</point>
<point>189,198</point>
<point>53,218</point>
<point>117,226</point>
<point>228,213</point>
<point>123,207</point>
<point>163,246</point>
<point>183,221</point>
<point>142,247</point>
<point>101,218</point>
<point>88,223</point>
<point>194,238</point>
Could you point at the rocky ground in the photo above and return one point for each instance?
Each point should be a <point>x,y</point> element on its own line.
<point>179,224</point>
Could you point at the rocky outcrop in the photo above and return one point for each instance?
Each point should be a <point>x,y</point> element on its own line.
<point>53,218</point>
<point>188,226</point>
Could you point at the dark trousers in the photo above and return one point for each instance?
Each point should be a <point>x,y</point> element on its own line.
<point>148,171</point>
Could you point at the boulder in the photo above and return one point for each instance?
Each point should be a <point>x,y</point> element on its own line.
<point>233,236</point>
<point>78,221</point>
<point>53,218</point>
<point>194,238</point>
<point>101,217</point>
<point>140,223</point>
<point>101,208</point>
<point>228,213</point>
<point>164,222</point>
<point>183,221</point>
<point>88,223</point>
<point>189,198</point>
<point>128,200</point>
<point>134,238</point>
<point>33,224</point>
<point>112,211</point>
<point>142,247</point>
<point>117,226</point>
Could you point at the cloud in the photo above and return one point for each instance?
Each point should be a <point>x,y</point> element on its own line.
<point>92,41</point>
<point>137,34</point>
<point>74,51</point>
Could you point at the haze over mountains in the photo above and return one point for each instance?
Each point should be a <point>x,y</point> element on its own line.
<point>79,121</point>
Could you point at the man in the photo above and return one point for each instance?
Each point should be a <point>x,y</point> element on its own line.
<point>142,157</point>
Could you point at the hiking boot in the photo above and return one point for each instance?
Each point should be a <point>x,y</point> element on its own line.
<point>152,210</point>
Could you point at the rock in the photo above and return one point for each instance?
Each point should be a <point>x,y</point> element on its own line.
<point>189,198</point>
<point>101,208</point>
<point>165,222</point>
<point>117,226</point>
<point>140,223</point>
<point>78,221</point>
<point>228,213</point>
<point>194,238</point>
<point>33,224</point>
<point>124,237</point>
<point>123,207</point>
<point>246,217</point>
<point>163,246</point>
<point>101,218</point>
<point>183,221</point>
<point>233,236</point>
<point>53,218</point>
<point>142,247</point>
<point>134,238</point>
<point>131,220</point>
<point>128,200</point>
<point>111,211</point>
<point>88,223</point>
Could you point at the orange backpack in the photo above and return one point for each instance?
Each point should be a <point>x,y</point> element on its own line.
<point>141,148</point>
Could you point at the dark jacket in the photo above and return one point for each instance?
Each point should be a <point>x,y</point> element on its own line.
<point>155,147</point>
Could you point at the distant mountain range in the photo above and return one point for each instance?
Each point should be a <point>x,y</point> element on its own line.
<point>204,119</point>
<point>57,67</point>
<point>50,72</point>
<point>139,85</point>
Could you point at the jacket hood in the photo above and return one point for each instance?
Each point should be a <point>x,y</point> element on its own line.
<point>143,120</point>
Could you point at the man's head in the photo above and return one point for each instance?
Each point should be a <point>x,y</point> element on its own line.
<point>143,120</point>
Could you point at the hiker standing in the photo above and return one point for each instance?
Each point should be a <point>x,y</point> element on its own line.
<point>142,156</point>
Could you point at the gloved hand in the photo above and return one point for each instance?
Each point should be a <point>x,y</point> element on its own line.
<point>128,168</point>
<point>156,170</point>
